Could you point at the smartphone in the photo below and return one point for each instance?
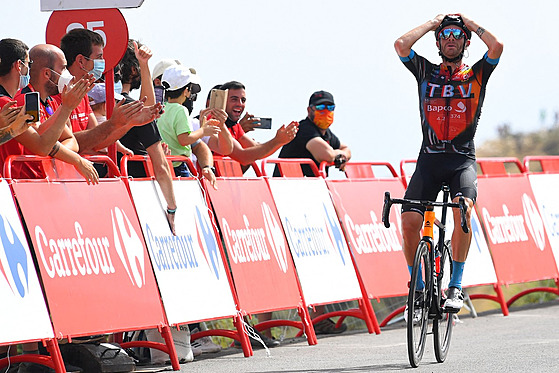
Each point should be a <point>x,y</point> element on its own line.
<point>218,99</point>
<point>265,124</point>
<point>32,105</point>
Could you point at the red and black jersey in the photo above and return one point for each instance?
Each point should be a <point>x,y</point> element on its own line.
<point>450,103</point>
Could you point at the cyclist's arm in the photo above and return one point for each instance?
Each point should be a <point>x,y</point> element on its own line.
<point>404,43</point>
<point>495,45</point>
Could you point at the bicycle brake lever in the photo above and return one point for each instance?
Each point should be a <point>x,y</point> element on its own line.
<point>386,209</point>
<point>463,213</point>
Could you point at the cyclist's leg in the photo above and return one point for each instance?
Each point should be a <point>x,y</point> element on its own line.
<point>463,184</point>
<point>423,185</point>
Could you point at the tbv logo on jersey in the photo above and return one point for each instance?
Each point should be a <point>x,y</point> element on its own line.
<point>17,266</point>
<point>250,244</point>
<point>86,256</point>
<point>512,228</point>
<point>316,240</point>
<point>373,237</point>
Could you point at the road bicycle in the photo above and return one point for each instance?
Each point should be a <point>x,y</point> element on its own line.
<point>434,264</point>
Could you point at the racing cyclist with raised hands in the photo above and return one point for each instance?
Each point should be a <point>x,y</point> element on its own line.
<point>450,98</point>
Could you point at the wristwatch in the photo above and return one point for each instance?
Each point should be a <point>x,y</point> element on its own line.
<point>211,168</point>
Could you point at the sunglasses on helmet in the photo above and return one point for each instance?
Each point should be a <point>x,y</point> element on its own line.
<point>455,32</point>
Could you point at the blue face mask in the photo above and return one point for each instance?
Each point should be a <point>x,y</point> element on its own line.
<point>24,79</point>
<point>98,68</point>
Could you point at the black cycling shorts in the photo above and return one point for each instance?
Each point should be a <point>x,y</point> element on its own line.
<point>432,170</point>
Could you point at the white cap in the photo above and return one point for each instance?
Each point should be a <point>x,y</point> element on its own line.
<point>98,94</point>
<point>162,66</point>
<point>178,76</point>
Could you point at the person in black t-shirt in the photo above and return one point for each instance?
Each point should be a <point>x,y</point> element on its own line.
<point>315,139</point>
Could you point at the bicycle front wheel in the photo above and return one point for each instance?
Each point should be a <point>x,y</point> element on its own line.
<point>444,321</point>
<point>418,305</point>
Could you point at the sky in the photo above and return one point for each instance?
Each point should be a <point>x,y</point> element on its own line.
<point>283,51</point>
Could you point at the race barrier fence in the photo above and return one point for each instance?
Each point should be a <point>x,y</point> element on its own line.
<point>259,257</point>
<point>191,258</point>
<point>283,239</point>
<point>324,263</point>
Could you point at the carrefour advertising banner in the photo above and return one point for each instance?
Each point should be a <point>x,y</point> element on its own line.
<point>545,192</point>
<point>23,315</point>
<point>258,252</point>
<point>515,230</point>
<point>316,240</point>
<point>91,255</point>
<point>377,250</point>
<point>188,266</point>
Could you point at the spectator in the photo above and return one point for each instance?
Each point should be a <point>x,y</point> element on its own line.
<point>97,100</point>
<point>84,52</point>
<point>245,149</point>
<point>13,122</point>
<point>145,140</point>
<point>315,140</point>
<point>48,65</point>
<point>174,124</point>
<point>158,71</point>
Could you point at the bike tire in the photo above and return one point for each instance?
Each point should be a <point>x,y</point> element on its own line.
<point>417,328</point>
<point>443,324</point>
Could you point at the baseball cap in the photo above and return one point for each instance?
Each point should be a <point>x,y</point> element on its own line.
<point>321,97</point>
<point>178,76</point>
<point>98,95</point>
<point>163,65</point>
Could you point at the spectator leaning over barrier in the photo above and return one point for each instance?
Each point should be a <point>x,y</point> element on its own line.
<point>84,52</point>
<point>48,65</point>
<point>13,54</point>
<point>245,149</point>
<point>174,124</point>
<point>145,140</point>
<point>315,139</point>
<point>451,95</point>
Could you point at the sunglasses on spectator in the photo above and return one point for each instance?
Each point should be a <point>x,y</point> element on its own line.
<point>455,32</point>
<point>323,106</point>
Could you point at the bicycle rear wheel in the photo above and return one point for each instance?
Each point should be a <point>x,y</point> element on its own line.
<point>418,307</point>
<point>444,321</point>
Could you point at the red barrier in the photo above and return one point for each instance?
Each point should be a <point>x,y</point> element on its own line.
<point>238,334</point>
<point>547,164</point>
<point>377,251</point>
<point>261,264</point>
<point>514,228</point>
<point>90,255</point>
<point>292,168</point>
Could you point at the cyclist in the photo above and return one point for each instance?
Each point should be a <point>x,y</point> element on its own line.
<point>451,95</point>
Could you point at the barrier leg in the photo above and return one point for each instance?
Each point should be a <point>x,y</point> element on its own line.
<point>307,325</point>
<point>167,336</point>
<point>501,298</point>
<point>243,337</point>
<point>370,317</point>
<point>56,355</point>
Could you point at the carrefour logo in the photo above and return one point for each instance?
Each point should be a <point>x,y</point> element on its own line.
<point>274,232</point>
<point>335,233</point>
<point>207,242</point>
<point>16,272</point>
<point>129,247</point>
<point>534,221</point>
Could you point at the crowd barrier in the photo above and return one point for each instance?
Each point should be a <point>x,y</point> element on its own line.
<point>108,262</point>
<point>259,257</point>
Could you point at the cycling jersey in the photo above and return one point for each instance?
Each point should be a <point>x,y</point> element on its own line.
<point>449,104</point>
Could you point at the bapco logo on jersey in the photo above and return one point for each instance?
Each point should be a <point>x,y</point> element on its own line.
<point>129,247</point>
<point>15,271</point>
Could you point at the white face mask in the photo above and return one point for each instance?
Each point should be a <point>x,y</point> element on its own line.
<point>64,79</point>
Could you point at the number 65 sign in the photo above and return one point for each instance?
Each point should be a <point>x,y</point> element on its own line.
<point>109,23</point>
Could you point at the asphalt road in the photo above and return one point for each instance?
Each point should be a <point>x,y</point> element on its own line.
<point>525,341</point>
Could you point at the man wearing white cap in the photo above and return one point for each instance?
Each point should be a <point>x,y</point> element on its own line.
<point>174,125</point>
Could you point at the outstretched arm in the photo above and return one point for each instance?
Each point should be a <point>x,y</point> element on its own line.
<point>494,45</point>
<point>405,42</point>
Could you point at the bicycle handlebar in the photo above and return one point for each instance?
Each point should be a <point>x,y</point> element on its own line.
<point>388,202</point>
